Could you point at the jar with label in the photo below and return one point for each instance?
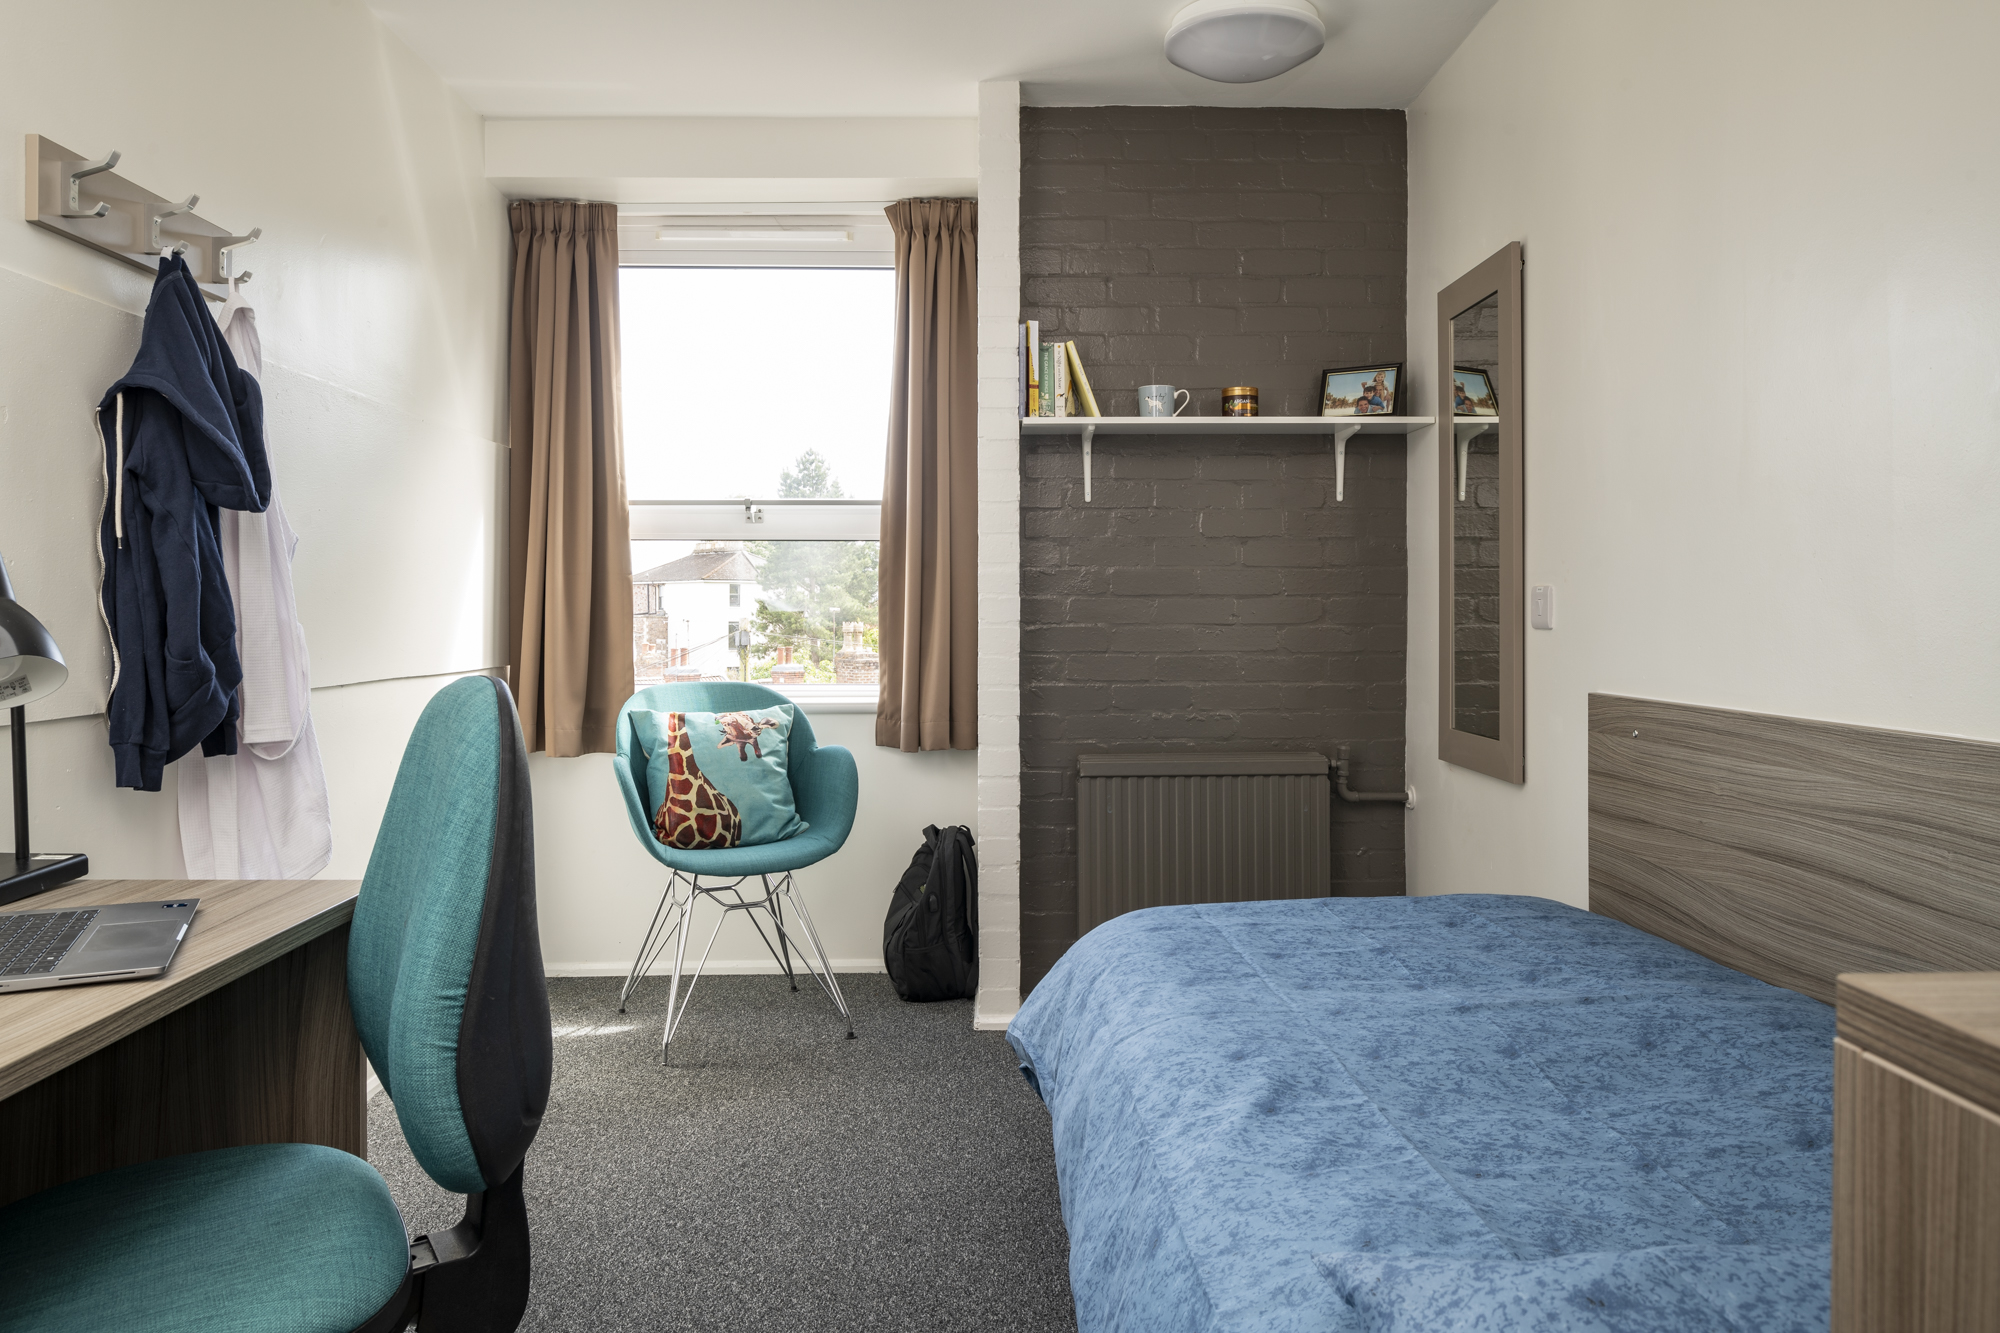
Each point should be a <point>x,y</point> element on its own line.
<point>1240,401</point>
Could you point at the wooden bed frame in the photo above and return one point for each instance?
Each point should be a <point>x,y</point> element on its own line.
<point>1795,850</point>
<point>1803,851</point>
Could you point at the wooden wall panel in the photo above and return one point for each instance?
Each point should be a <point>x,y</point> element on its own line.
<point>1795,850</point>
<point>272,1057</point>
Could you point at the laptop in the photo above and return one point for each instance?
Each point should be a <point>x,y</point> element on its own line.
<point>75,946</point>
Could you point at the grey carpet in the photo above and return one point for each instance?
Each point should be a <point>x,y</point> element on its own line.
<point>775,1175</point>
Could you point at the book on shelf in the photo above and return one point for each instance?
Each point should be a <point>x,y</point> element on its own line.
<point>1080,394</point>
<point>1052,379</point>
<point>1021,364</point>
<point>1031,368</point>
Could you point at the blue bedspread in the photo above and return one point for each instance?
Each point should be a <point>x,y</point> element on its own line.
<point>1459,1112</point>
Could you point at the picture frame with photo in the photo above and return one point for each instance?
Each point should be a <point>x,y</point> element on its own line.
<point>1472,393</point>
<point>1361,391</point>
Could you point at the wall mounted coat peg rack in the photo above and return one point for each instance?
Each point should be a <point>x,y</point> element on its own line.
<point>225,256</point>
<point>75,209</point>
<point>84,199</point>
<point>162,214</point>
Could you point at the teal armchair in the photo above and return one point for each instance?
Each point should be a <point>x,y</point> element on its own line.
<point>827,788</point>
<point>445,982</point>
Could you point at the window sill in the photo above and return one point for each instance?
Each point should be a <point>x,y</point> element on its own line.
<point>831,698</point>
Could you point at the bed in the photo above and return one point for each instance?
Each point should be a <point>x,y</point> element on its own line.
<point>1349,1114</point>
<point>1499,1113</point>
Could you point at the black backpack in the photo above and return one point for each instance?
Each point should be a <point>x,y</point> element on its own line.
<point>931,938</point>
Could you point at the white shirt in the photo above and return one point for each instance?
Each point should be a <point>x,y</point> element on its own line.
<point>261,813</point>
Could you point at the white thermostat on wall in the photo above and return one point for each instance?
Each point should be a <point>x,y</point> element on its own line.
<point>1542,606</point>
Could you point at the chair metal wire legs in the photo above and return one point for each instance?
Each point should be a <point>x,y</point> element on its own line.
<point>674,920</point>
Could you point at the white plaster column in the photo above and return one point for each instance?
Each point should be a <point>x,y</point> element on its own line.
<point>999,828</point>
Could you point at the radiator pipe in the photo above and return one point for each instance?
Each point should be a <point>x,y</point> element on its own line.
<point>1340,770</point>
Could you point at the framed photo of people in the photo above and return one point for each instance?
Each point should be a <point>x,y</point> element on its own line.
<point>1360,391</point>
<point>1472,393</point>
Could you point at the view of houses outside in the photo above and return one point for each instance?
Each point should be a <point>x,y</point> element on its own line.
<point>688,614</point>
<point>787,612</point>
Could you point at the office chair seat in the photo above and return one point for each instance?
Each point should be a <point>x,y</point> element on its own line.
<point>272,1238</point>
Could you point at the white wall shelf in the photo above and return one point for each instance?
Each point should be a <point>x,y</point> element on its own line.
<point>1465,430</point>
<point>1341,429</point>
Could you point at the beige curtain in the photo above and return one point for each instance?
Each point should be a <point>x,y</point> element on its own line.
<point>569,548</point>
<point>930,488</point>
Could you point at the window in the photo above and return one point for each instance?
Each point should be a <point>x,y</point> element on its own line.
<point>756,407</point>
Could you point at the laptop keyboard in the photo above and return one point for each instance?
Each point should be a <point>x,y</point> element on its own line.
<point>35,942</point>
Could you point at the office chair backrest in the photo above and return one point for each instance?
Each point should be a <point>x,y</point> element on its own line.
<point>444,965</point>
<point>717,696</point>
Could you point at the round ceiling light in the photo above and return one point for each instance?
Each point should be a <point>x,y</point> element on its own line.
<point>1244,41</point>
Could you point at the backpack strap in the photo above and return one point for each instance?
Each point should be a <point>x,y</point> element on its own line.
<point>969,864</point>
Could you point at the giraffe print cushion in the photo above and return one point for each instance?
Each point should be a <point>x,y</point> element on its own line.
<point>719,779</point>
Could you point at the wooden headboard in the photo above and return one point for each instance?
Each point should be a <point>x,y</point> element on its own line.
<point>1795,850</point>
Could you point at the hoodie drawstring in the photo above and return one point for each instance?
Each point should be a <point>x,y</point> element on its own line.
<point>118,515</point>
<point>103,570</point>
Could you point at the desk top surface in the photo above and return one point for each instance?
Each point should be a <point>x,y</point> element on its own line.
<point>241,925</point>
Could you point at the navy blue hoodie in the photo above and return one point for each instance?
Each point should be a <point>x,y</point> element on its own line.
<point>183,435</point>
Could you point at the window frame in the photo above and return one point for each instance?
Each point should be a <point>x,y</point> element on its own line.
<point>751,518</point>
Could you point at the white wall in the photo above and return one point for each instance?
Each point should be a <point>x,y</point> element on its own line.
<point>381,286</point>
<point>1763,378</point>
<point>599,886</point>
<point>734,159</point>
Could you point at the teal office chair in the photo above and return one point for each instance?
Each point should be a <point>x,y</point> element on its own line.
<point>444,974</point>
<point>826,787</point>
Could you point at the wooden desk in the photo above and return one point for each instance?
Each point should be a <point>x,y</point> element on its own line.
<point>246,1039</point>
<point>1916,1153</point>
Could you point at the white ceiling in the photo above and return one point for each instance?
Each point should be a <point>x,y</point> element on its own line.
<point>511,58</point>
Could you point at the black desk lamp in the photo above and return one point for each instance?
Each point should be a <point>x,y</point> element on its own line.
<point>31,666</point>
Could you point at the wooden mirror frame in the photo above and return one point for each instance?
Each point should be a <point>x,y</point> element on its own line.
<point>1501,758</point>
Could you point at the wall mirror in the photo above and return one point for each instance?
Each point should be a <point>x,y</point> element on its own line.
<point>1480,593</point>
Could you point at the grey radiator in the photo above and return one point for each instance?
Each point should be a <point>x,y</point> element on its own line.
<point>1214,828</point>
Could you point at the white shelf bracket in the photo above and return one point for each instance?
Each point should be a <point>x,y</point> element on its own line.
<point>1341,435</point>
<point>1466,432</point>
<point>1088,432</point>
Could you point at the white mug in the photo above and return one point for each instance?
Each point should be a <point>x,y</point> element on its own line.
<point>1162,400</point>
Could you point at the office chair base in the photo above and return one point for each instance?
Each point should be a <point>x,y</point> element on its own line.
<point>474,1277</point>
<point>673,922</point>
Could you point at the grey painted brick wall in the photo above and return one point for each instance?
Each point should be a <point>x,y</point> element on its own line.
<point>1212,594</point>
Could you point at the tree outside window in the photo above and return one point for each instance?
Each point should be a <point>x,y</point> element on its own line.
<point>809,591</point>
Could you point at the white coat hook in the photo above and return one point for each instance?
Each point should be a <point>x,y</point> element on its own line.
<point>76,208</point>
<point>1088,432</point>
<point>224,259</point>
<point>1341,435</point>
<point>185,206</point>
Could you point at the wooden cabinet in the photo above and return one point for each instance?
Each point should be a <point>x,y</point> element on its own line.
<point>1916,1153</point>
